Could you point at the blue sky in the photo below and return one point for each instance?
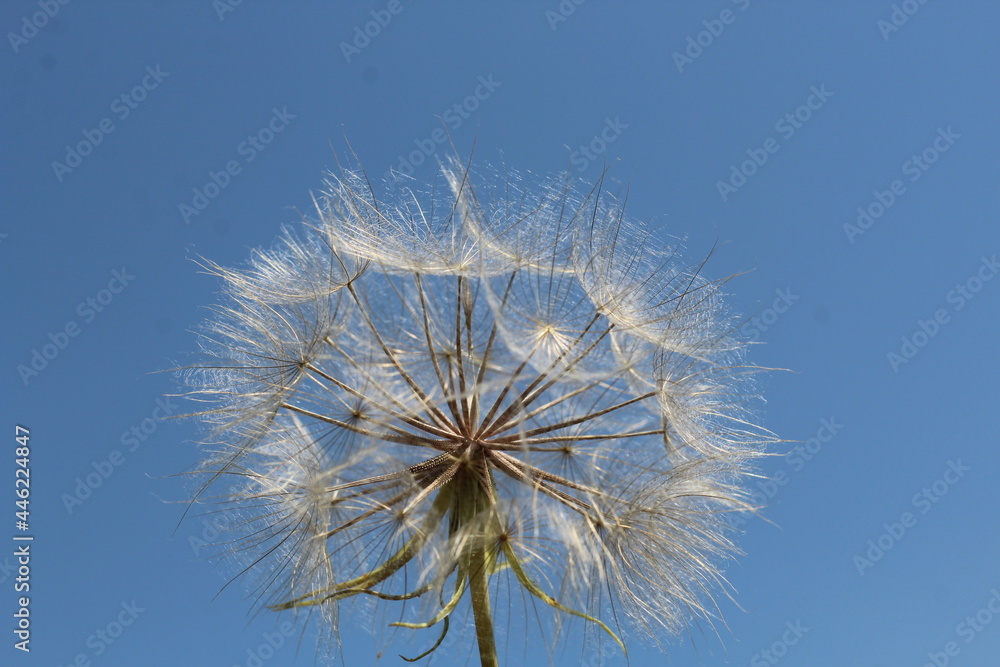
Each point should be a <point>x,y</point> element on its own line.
<point>842,156</point>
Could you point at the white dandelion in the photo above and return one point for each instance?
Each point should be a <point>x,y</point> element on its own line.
<point>464,402</point>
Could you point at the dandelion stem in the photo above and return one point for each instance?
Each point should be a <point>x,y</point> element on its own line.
<point>472,515</point>
<point>479,588</point>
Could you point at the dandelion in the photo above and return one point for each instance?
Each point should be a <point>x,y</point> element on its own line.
<point>480,401</point>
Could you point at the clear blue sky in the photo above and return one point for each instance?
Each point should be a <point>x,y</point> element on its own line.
<point>836,106</point>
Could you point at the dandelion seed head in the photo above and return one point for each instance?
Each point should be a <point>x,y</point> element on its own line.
<point>424,392</point>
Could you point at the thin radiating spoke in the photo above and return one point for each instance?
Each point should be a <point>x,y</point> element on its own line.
<point>573,422</point>
<point>512,468</point>
<point>407,419</point>
<point>529,394</point>
<point>403,437</point>
<point>432,353</point>
<point>432,409</point>
<point>578,438</point>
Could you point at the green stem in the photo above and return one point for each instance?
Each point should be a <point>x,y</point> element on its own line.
<point>480,590</point>
<point>472,518</point>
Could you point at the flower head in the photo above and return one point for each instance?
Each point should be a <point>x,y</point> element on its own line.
<point>423,394</point>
